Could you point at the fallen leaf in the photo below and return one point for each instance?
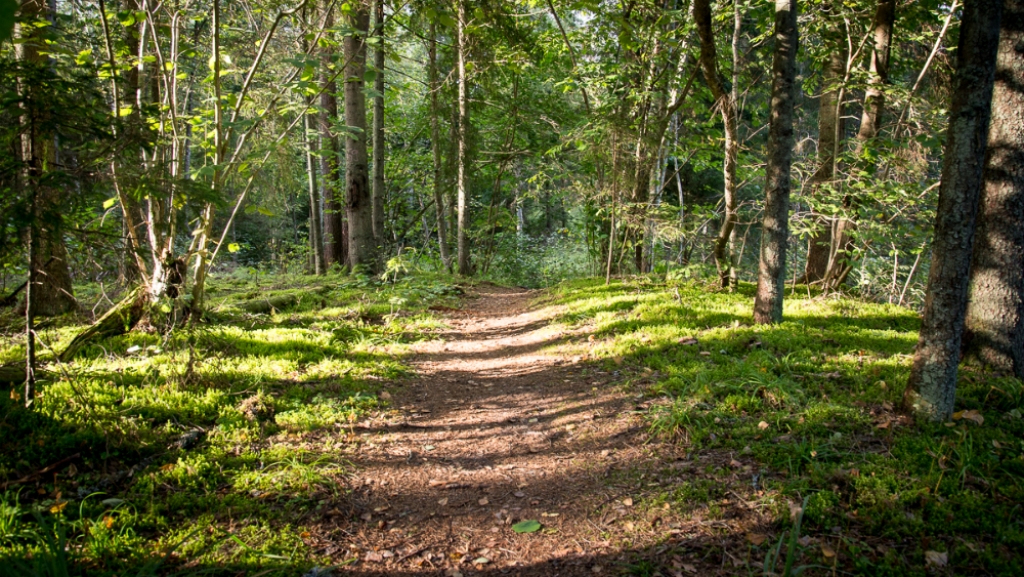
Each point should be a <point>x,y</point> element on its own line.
<point>763,425</point>
<point>366,516</point>
<point>970,415</point>
<point>689,568</point>
<point>936,558</point>
<point>481,561</point>
<point>483,501</point>
<point>529,526</point>
<point>443,502</point>
<point>827,551</point>
<point>756,538</point>
<point>688,341</point>
<point>628,501</point>
<point>519,494</point>
<point>596,569</point>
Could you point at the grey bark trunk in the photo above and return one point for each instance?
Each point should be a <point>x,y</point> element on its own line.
<point>435,145</point>
<point>51,293</point>
<point>771,281</point>
<point>995,314</point>
<point>840,252</point>
<point>378,126</point>
<point>931,390</point>
<point>335,246</point>
<point>726,103</point>
<point>831,128</point>
<point>315,232</point>
<point>463,193</point>
<point>359,202</point>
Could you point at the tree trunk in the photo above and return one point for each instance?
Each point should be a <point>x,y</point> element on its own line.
<point>727,104</point>
<point>931,390</point>
<point>359,200</point>
<point>831,128</point>
<point>878,72</point>
<point>315,232</point>
<point>842,245</point>
<point>995,314</point>
<point>335,247</point>
<point>771,281</point>
<point>378,127</point>
<point>463,243</point>
<point>435,145</point>
<point>52,293</point>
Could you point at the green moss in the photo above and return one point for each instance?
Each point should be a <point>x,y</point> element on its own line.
<point>811,400</point>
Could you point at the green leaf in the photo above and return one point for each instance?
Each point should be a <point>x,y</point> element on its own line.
<point>233,247</point>
<point>526,526</point>
<point>109,203</point>
<point>369,76</point>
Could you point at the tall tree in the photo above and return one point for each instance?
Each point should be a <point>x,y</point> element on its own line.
<point>727,104</point>
<point>831,128</point>
<point>335,245</point>
<point>931,390</point>
<point>52,293</point>
<point>995,313</point>
<point>462,160</point>
<point>839,265</point>
<point>379,144</point>
<point>435,145</point>
<point>771,279</point>
<point>361,248</point>
<point>315,232</point>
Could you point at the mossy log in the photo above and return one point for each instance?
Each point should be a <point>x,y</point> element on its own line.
<point>267,305</point>
<point>117,321</point>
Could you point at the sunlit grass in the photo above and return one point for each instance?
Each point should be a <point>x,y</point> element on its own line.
<point>176,462</point>
<point>813,402</point>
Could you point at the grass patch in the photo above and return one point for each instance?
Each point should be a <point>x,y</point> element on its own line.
<point>209,449</point>
<point>805,410</point>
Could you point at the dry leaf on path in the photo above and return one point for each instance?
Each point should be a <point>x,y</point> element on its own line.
<point>757,538</point>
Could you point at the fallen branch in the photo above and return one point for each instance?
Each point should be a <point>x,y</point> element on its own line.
<point>12,299</point>
<point>47,469</point>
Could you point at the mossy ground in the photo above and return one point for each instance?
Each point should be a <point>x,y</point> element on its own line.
<point>812,402</point>
<point>172,463</point>
<point>179,464</point>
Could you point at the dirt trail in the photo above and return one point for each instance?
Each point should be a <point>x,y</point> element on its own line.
<point>494,431</point>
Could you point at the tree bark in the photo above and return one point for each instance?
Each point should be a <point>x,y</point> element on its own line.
<point>52,293</point>
<point>315,232</point>
<point>771,281</point>
<point>435,145</point>
<point>831,128</point>
<point>378,127</point>
<point>842,242</point>
<point>727,105</point>
<point>878,72</point>
<point>359,201</point>
<point>335,245</point>
<point>463,244</point>
<point>995,313</point>
<point>931,390</point>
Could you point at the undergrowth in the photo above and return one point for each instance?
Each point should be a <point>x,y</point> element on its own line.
<point>205,449</point>
<point>805,411</point>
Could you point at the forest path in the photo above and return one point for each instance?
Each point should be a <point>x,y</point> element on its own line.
<point>496,430</point>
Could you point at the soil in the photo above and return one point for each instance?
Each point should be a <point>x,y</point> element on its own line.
<point>504,424</point>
